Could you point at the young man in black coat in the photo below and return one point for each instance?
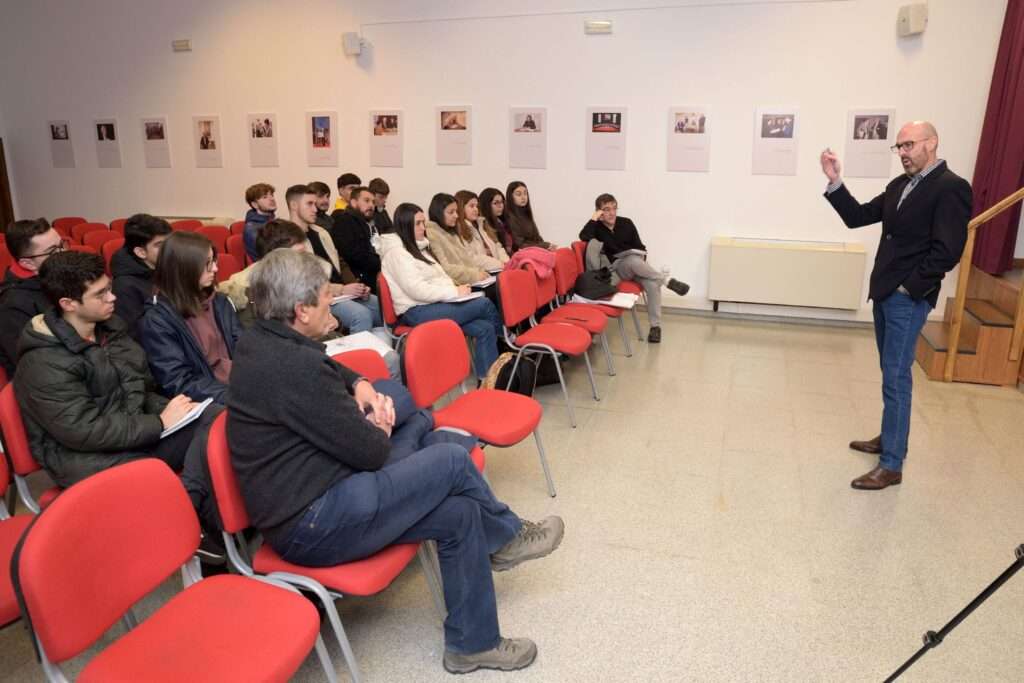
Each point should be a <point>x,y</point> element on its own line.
<point>132,267</point>
<point>924,215</point>
<point>354,237</point>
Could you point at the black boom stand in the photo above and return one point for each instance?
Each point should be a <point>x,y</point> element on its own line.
<point>932,639</point>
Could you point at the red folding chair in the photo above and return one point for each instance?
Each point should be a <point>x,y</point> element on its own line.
<point>235,245</point>
<point>109,248</point>
<point>217,234</point>
<point>63,225</point>
<point>117,225</point>
<point>188,225</point>
<point>80,230</point>
<point>627,286</point>
<point>436,361</point>
<point>396,331</point>
<point>11,529</point>
<point>112,539</point>
<point>237,228</point>
<point>363,577</point>
<point>17,448</point>
<point>98,238</point>
<point>227,265</point>
<point>517,292</point>
<point>5,259</point>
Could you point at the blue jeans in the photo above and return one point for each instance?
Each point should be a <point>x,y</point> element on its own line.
<point>898,322</point>
<point>358,315</point>
<point>433,494</point>
<point>477,318</point>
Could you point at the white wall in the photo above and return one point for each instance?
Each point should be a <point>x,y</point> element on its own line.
<point>112,57</point>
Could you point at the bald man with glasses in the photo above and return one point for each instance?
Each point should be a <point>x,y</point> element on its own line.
<point>924,214</point>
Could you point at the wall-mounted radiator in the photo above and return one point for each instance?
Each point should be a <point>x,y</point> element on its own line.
<point>786,272</point>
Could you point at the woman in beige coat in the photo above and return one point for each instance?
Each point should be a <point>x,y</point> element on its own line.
<point>486,250</point>
<point>449,241</point>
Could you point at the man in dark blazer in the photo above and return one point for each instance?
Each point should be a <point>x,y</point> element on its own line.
<point>924,215</point>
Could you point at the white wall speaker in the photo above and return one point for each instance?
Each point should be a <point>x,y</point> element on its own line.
<point>912,19</point>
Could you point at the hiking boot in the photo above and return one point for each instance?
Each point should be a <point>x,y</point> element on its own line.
<point>654,336</point>
<point>509,655</point>
<point>534,540</point>
<point>680,288</point>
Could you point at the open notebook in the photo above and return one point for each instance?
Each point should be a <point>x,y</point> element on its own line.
<point>190,417</point>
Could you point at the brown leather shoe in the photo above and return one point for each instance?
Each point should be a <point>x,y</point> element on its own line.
<point>873,446</point>
<point>877,479</point>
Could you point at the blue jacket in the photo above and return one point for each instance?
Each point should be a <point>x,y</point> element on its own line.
<point>254,221</point>
<point>178,364</point>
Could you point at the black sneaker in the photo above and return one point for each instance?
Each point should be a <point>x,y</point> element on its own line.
<point>680,288</point>
<point>654,336</point>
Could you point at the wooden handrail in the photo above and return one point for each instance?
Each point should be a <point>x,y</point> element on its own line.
<point>957,320</point>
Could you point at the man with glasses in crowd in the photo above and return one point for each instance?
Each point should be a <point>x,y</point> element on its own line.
<point>30,243</point>
<point>924,215</point>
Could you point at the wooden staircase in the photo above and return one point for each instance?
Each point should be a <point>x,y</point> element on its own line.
<point>981,338</point>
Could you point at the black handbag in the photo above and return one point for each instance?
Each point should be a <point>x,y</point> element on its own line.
<point>595,284</point>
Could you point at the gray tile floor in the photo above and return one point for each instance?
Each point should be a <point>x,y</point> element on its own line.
<point>712,534</point>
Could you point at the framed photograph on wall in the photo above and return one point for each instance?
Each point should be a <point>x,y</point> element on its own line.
<point>108,145</point>
<point>386,137</point>
<point>207,141</point>
<point>322,138</point>
<point>869,134</point>
<point>261,130</point>
<point>156,149</point>
<point>62,152</point>
<point>776,134</point>
<point>453,127</point>
<point>606,138</point>
<point>689,139</point>
<point>528,137</point>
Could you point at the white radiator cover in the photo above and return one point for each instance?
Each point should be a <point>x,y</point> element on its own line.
<point>787,272</point>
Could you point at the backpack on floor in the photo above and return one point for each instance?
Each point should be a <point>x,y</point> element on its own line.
<point>595,284</point>
<point>500,371</point>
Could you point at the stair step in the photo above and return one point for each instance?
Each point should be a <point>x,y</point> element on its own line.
<point>936,333</point>
<point>987,312</point>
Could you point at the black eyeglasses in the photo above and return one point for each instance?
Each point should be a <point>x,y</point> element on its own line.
<point>905,146</point>
<point>55,249</point>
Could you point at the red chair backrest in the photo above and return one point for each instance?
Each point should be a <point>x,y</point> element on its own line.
<point>517,292</point>
<point>188,225</point>
<point>387,303</point>
<point>217,234</point>
<point>117,225</point>
<point>565,271</point>
<point>235,245</point>
<point>5,259</point>
<point>109,248</point>
<point>81,229</point>
<point>84,248</point>
<point>99,548</point>
<point>545,287</point>
<point>238,227</point>
<point>97,239</point>
<point>580,250</point>
<point>227,265</point>
<point>365,362</point>
<point>15,438</point>
<point>63,225</point>
<point>435,359</point>
<point>226,491</point>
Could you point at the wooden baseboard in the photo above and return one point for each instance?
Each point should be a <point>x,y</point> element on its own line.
<point>1018,263</point>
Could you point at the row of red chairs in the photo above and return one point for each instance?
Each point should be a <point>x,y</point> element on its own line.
<point>75,228</point>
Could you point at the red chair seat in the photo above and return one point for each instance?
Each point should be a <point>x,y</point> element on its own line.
<point>589,318</point>
<point>501,418</point>
<point>610,311</point>
<point>630,287</point>
<point>211,632</point>
<point>48,496</point>
<point>562,337</point>
<point>362,577</point>
<point>10,532</point>
<point>401,330</point>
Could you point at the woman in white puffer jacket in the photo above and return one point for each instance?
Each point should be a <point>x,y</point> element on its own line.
<point>422,291</point>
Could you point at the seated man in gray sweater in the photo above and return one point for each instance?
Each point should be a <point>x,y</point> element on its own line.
<point>310,444</point>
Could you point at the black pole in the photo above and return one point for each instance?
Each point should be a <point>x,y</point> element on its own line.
<point>933,639</point>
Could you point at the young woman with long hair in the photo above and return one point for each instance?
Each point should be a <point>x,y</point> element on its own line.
<point>483,247</point>
<point>520,218</point>
<point>493,225</point>
<point>449,240</point>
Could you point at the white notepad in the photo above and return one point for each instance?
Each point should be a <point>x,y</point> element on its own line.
<point>190,417</point>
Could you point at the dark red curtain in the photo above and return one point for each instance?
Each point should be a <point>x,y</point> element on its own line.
<point>999,170</point>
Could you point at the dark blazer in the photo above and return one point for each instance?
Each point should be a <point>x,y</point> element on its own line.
<point>133,286</point>
<point>351,235</point>
<point>920,242</point>
<point>20,300</point>
<point>624,237</point>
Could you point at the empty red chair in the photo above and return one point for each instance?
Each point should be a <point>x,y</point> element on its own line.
<point>396,331</point>
<point>235,245</point>
<point>17,448</point>
<point>188,225</point>
<point>517,292</point>
<point>362,577</point>
<point>217,234</point>
<point>112,539</point>
<point>82,229</point>
<point>84,248</point>
<point>98,238</point>
<point>11,529</point>
<point>579,250</point>
<point>237,228</point>
<point>117,225</point>
<point>227,265</point>
<point>436,361</point>
<point>108,249</point>
<point>63,225</point>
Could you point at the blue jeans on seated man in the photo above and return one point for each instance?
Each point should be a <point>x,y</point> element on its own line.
<point>478,319</point>
<point>358,315</point>
<point>898,322</point>
<point>414,427</point>
<point>433,494</point>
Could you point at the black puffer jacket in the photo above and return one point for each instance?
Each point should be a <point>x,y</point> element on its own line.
<point>20,299</point>
<point>133,286</point>
<point>87,406</point>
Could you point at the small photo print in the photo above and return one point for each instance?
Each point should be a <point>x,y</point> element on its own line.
<point>453,120</point>
<point>262,128</point>
<point>154,130</point>
<point>528,122</point>
<point>690,122</point>
<point>871,127</point>
<point>105,131</point>
<point>606,122</point>
<point>385,124</point>
<point>777,125</point>
<point>206,139</point>
<point>321,131</point>
<point>58,131</point>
